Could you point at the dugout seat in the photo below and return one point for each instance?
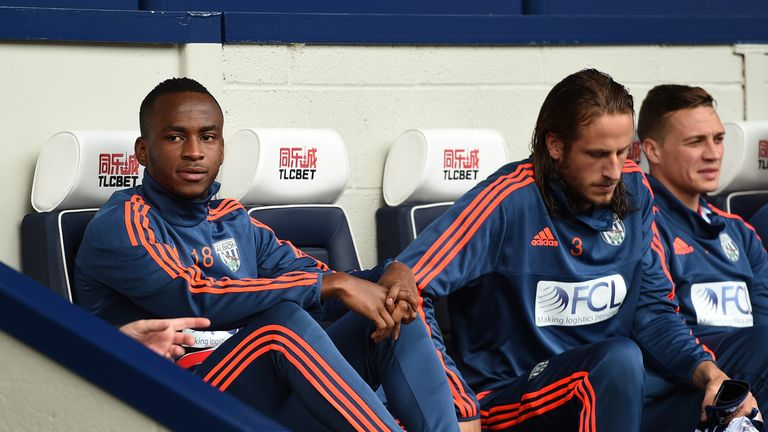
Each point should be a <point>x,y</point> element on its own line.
<point>289,179</point>
<point>76,172</point>
<point>425,171</point>
<point>743,188</point>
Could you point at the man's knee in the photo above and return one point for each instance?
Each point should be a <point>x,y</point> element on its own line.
<point>743,354</point>
<point>746,343</point>
<point>284,314</point>
<point>621,357</point>
<point>756,337</point>
<point>416,329</point>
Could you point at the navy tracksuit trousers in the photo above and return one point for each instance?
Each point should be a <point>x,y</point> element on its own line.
<point>288,367</point>
<point>597,387</point>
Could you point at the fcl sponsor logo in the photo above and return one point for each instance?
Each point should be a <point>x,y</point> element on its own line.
<point>118,170</point>
<point>297,163</point>
<point>578,303</point>
<point>722,304</point>
<point>461,164</point>
<point>762,156</point>
<point>227,251</point>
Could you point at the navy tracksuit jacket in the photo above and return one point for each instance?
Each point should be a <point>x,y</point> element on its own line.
<point>525,288</point>
<point>720,270</point>
<point>720,267</point>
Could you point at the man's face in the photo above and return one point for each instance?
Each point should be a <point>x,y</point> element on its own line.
<point>688,157</point>
<point>591,166</point>
<point>184,147</point>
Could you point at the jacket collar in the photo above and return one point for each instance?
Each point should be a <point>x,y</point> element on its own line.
<point>668,203</point>
<point>176,211</point>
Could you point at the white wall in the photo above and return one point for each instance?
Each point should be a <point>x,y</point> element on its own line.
<point>36,394</point>
<point>369,94</point>
<point>755,81</point>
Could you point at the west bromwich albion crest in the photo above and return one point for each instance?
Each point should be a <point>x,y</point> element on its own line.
<point>227,251</point>
<point>729,247</point>
<point>615,235</point>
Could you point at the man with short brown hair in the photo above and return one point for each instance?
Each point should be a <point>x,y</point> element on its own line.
<point>716,260</point>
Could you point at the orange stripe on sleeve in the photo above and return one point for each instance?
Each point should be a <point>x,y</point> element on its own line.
<point>465,214</point>
<point>467,223</point>
<point>128,226</point>
<point>296,251</point>
<point>648,186</point>
<point>657,247</point>
<point>261,225</point>
<point>631,167</point>
<point>227,206</point>
<point>725,214</point>
<point>144,242</point>
<point>474,227</point>
<point>705,348</point>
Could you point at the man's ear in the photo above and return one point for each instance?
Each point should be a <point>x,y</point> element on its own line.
<point>221,161</point>
<point>555,146</point>
<point>140,149</point>
<point>652,150</point>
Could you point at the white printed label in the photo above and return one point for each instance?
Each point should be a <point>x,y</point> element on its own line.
<point>722,304</point>
<point>579,303</point>
<point>209,339</point>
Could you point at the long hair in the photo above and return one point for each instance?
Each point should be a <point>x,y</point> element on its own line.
<point>573,103</point>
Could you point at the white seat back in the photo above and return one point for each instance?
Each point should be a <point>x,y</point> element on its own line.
<point>436,165</point>
<point>284,166</point>
<point>81,169</point>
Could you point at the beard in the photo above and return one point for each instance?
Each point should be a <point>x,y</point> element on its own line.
<point>575,189</point>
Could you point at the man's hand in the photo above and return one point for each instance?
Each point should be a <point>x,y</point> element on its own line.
<point>402,296</point>
<point>364,297</point>
<point>470,426</point>
<point>403,293</point>
<point>709,377</point>
<point>164,336</point>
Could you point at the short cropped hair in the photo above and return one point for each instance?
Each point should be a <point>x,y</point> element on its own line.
<point>575,102</point>
<point>663,100</point>
<point>169,86</point>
